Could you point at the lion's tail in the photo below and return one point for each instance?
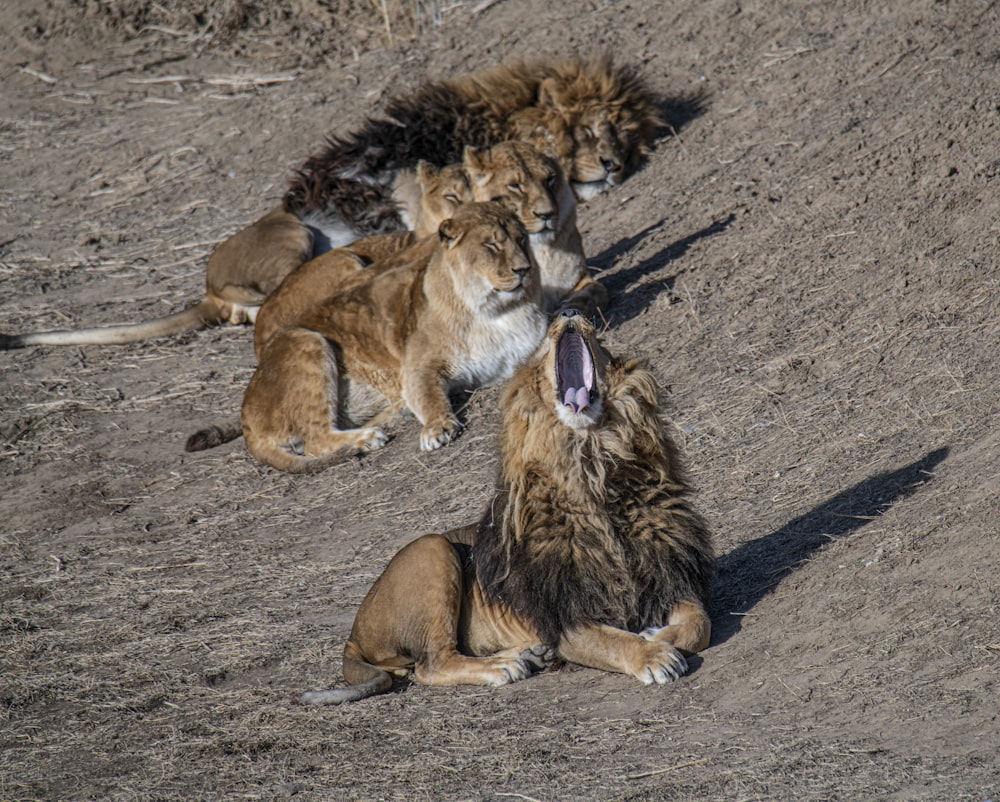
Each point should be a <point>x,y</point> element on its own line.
<point>366,680</point>
<point>200,316</point>
<point>278,456</point>
<point>215,435</point>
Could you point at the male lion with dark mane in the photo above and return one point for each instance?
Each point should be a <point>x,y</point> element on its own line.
<point>590,551</point>
<point>599,120</point>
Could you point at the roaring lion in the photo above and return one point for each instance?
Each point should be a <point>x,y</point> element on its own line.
<point>460,310</point>
<point>590,551</point>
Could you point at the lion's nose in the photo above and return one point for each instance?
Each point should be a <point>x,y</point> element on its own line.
<point>569,312</point>
<point>611,165</point>
<point>521,272</point>
<point>544,216</point>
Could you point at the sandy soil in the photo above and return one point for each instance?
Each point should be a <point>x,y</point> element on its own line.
<point>809,264</point>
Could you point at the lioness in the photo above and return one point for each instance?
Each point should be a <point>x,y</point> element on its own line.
<point>590,551</point>
<point>463,311</point>
<point>534,186</point>
<point>531,184</point>
<point>516,174</point>
<point>440,191</point>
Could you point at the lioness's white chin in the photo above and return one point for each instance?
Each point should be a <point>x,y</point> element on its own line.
<point>585,190</point>
<point>543,237</point>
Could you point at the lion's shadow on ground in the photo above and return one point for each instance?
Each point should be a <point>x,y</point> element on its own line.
<point>629,294</point>
<point>752,570</point>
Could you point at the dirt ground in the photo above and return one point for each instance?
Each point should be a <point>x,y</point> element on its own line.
<point>809,264</point>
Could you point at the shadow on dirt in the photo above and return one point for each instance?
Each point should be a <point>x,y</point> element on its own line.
<point>752,570</point>
<point>679,110</point>
<point>627,301</point>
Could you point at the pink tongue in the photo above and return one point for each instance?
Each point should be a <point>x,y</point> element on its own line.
<point>578,399</point>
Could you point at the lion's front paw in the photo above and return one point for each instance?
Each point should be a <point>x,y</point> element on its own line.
<point>372,439</point>
<point>663,664</point>
<point>513,669</point>
<point>436,435</point>
<point>539,657</point>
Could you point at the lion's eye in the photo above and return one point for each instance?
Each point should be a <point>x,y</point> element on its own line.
<point>451,197</point>
<point>514,187</point>
<point>550,180</point>
<point>492,245</point>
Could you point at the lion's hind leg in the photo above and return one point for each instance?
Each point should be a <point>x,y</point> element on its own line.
<point>414,611</point>
<point>291,406</point>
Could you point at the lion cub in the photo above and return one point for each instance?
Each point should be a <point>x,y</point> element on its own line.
<point>460,310</point>
<point>590,550</point>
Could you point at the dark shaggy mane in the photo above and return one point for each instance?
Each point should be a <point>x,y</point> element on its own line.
<point>351,178</point>
<point>625,555</point>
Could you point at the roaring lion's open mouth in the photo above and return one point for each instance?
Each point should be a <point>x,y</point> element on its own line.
<point>574,371</point>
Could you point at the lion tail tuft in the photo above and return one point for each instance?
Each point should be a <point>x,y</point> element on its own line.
<point>212,436</point>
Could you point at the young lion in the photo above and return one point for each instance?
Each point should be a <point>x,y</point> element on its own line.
<point>590,551</point>
<point>462,312</point>
<point>441,192</point>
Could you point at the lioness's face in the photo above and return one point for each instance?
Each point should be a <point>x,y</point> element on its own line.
<point>489,255</point>
<point>519,176</point>
<point>443,190</point>
<point>575,364</point>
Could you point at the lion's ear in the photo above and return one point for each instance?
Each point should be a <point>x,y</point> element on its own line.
<point>451,232</point>
<point>472,158</point>
<point>426,172</point>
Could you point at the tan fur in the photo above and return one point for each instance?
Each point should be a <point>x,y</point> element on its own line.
<point>591,517</point>
<point>599,123</point>
<point>459,310</point>
<point>438,195</point>
<point>534,187</point>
